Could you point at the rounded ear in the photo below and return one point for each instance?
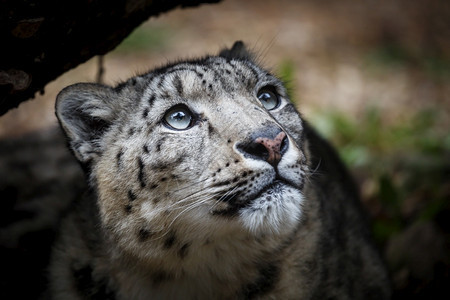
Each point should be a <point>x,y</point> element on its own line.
<point>85,112</point>
<point>237,51</point>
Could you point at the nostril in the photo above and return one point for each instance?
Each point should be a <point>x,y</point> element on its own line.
<point>284,145</point>
<point>255,150</point>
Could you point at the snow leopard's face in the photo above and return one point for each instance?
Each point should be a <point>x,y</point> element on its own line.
<point>195,151</point>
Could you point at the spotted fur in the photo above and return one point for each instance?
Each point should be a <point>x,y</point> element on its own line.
<point>244,202</point>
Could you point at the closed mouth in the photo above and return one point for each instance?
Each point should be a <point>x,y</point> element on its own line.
<point>236,203</point>
<point>271,188</point>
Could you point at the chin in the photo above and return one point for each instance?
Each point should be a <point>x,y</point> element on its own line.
<point>277,211</point>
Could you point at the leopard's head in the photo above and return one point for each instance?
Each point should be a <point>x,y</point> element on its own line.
<point>193,152</point>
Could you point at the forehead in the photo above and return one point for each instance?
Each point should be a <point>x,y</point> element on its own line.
<point>209,76</point>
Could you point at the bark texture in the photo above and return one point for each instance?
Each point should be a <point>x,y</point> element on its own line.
<point>41,39</point>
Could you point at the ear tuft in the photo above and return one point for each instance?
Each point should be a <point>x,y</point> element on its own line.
<point>237,51</point>
<point>85,112</point>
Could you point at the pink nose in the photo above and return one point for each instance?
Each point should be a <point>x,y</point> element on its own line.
<point>273,147</point>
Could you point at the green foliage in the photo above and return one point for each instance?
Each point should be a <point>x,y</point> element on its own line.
<point>286,73</point>
<point>390,198</point>
<point>390,54</point>
<point>434,64</point>
<point>408,163</point>
<point>369,137</point>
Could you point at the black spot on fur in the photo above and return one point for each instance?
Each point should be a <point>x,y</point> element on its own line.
<point>170,240</point>
<point>268,276</point>
<point>141,174</point>
<point>200,75</point>
<point>145,113</point>
<point>158,147</point>
<point>165,94</point>
<point>161,81</point>
<point>87,287</point>
<point>119,158</point>
<point>131,131</point>
<point>159,144</point>
<point>145,148</point>
<point>248,84</point>
<point>144,234</point>
<point>183,250</point>
<point>151,99</point>
<point>178,85</point>
<point>211,130</point>
<point>131,195</point>
<point>128,208</point>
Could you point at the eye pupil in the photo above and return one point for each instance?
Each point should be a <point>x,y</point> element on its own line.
<point>178,117</point>
<point>264,96</point>
<point>269,99</point>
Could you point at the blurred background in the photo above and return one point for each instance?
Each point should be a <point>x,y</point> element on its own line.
<point>372,76</point>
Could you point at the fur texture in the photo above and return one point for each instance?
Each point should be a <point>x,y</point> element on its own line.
<point>207,184</point>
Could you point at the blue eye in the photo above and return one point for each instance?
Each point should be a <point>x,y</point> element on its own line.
<point>268,98</point>
<point>178,117</point>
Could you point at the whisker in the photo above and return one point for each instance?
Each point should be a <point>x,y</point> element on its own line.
<point>228,193</point>
<point>190,185</point>
<point>186,208</point>
<point>220,200</point>
<point>190,206</point>
<point>186,198</point>
<point>193,200</point>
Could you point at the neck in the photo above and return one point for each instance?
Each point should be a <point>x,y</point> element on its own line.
<point>237,265</point>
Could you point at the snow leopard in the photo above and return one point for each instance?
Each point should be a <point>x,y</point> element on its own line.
<point>206,183</point>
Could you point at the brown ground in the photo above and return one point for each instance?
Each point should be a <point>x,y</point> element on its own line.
<point>345,56</point>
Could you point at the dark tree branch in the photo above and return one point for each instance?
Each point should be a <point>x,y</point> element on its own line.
<point>41,39</point>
